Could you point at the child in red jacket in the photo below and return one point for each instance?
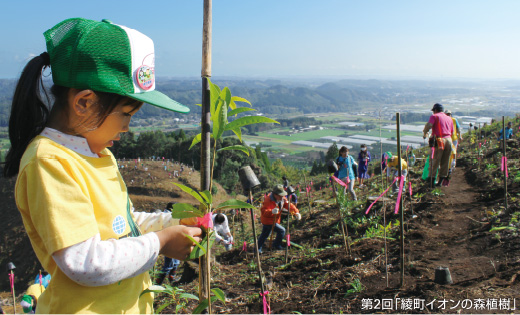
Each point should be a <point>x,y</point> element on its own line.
<point>270,212</point>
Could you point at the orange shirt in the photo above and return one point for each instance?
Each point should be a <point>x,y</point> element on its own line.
<point>267,216</point>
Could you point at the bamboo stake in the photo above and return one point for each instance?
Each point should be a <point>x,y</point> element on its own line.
<point>12,288</point>
<point>344,231</point>
<point>259,267</point>
<point>505,161</point>
<point>308,195</point>
<point>205,180</point>
<point>383,180</point>
<point>400,172</point>
<point>280,206</point>
<point>288,231</point>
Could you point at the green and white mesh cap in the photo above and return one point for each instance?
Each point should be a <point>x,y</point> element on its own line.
<point>106,57</point>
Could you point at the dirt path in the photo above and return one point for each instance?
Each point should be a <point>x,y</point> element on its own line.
<point>446,231</point>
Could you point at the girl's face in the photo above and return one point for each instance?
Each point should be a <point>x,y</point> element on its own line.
<point>110,130</point>
<point>344,153</point>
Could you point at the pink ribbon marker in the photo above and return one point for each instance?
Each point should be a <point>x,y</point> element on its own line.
<point>384,192</point>
<point>244,247</point>
<point>410,188</point>
<point>433,152</point>
<point>339,181</point>
<point>401,183</point>
<point>288,240</point>
<point>205,221</point>
<point>11,281</point>
<point>503,167</point>
<point>267,308</point>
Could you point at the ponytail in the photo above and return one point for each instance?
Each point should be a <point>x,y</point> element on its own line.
<point>29,113</point>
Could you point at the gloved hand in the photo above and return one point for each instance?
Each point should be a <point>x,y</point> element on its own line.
<point>298,216</point>
<point>225,242</point>
<point>276,210</point>
<point>231,239</point>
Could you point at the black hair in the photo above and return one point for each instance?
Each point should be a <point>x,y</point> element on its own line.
<point>170,205</point>
<point>220,218</point>
<point>30,114</point>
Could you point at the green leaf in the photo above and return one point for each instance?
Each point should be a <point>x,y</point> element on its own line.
<point>235,147</point>
<point>220,120</point>
<point>214,92</point>
<point>239,110</point>
<point>201,307</point>
<point>225,94</point>
<point>238,132</point>
<point>239,99</point>
<point>249,120</point>
<point>207,196</point>
<point>200,249</point>
<point>196,243</point>
<point>219,294</point>
<point>195,194</point>
<point>234,203</point>
<point>188,296</point>
<point>163,290</point>
<point>184,210</point>
<point>199,105</point>
<point>162,307</point>
<point>196,140</point>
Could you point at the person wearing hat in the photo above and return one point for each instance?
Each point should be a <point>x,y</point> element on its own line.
<point>285,182</point>
<point>442,130</point>
<point>455,140</point>
<point>73,200</point>
<point>509,132</point>
<point>270,210</point>
<point>30,299</point>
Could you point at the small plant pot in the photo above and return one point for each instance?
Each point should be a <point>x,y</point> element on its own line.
<point>248,178</point>
<point>442,275</point>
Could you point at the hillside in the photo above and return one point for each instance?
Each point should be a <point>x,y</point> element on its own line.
<point>464,227</point>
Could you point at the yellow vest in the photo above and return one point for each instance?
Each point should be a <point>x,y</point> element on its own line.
<point>66,198</point>
<point>455,131</point>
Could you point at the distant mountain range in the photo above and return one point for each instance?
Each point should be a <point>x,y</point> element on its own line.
<point>276,97</point>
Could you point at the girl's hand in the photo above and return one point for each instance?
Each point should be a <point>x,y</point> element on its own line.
<point>189,221</point>
<point>175,244</point>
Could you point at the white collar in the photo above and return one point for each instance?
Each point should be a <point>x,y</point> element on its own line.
<point>75,143</point>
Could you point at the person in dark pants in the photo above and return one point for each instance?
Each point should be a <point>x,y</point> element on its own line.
<point>270,209</point>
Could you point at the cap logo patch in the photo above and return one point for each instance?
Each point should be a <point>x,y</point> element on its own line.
<point>145,77</point>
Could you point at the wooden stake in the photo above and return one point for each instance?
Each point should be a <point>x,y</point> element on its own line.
<point>14,298</point>
<point>205,179</point>
<point>383,180</point>
<point>401,224</point>
<point>504,160</point>
<point>308,195</point>
<point>344,231</point>
<point>280,206</point>
<point>288,232</point>
<point>259,267</point>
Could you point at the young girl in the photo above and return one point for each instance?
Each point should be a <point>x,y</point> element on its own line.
<point>72,198</point>
<point>345,163</point>
<point>363,159</point>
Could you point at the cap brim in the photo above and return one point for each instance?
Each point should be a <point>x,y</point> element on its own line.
<point>159,99</point>
<point>284,193</point>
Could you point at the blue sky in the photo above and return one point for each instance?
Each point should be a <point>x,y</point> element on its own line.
<point>295,38</point>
